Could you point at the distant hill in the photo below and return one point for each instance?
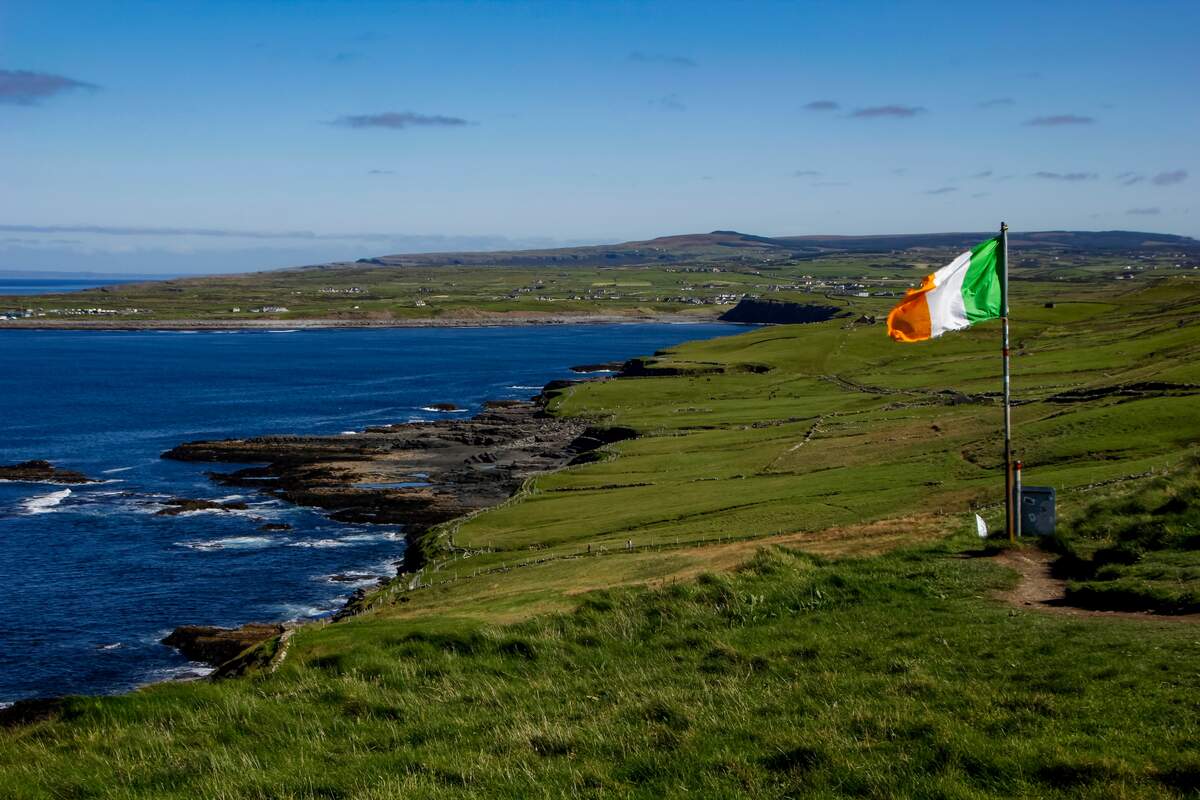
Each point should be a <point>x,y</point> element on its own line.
<point>735,246</point>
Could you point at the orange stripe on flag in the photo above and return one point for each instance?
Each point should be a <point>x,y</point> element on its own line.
<point>909,321</point>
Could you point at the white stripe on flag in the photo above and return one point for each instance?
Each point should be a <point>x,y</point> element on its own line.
<point>947,312</point>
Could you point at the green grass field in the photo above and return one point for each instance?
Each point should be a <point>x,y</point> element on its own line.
<point>363,292</point>
<point>774,591</point>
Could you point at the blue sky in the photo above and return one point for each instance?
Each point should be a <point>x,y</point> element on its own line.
<point>221,136</point>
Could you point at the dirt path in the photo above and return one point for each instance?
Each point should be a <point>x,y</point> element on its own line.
<point>1041,591</point>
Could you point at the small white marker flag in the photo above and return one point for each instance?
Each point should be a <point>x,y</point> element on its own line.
<point>980,527</point>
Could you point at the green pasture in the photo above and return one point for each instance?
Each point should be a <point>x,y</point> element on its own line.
<point>362,291</point>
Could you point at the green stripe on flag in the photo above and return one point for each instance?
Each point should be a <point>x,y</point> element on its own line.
<point>981,284</point>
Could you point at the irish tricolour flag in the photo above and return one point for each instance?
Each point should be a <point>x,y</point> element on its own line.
<point>965,291</point>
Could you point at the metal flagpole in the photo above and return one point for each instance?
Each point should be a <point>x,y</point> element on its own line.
<point>1010,513</point>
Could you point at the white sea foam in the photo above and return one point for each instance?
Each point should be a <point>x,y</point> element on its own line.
<point>444,410</point>
<point>366,579</point>
<point>387,536</point>
<point>156,637</point>
<point>255,513</point>
<point>190,672</point>
<point>350,540</point>
<point>525,387</point>
<point>349,433</point>
<point>232,543</point>
<point>195,512</point>
<point>290,330</point>
<point>45,503</point>
<point>115,470</point>
<point>112,646</point>
<point>293,611</point>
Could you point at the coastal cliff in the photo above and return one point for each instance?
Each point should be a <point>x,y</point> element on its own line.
<point>779,312</point>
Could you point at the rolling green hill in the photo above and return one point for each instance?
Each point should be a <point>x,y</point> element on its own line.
<point>735,246</point>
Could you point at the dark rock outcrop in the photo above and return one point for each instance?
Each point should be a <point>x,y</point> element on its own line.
<point>779,312</point>
<point>216,646</point>
<point>353,577</point>
<point>492,405</point>
<point>182,505</point>
<point>39,471</point>
<point>607,366</point>
<point>38,709</point>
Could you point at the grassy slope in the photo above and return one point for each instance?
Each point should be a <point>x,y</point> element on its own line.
<point>871,675</point>
<point>1138,550</point>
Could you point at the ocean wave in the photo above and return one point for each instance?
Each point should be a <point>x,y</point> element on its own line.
<point>232,543</point>
<point>525,387</point>
<point>350,540</point>
<point>444,410</point>
<point>352,579</point>
<point>115,469</point>
<point>296,611</point>
<point>156,637</point>
<point>195,512</point>
<point>45,503</point>
<point>191,671</point>
<point>255,513</point>
<point>289,330</point>
<point>54,483</point>
<point>320,543</point>
<point>386,536</point>
<point>121,501</point>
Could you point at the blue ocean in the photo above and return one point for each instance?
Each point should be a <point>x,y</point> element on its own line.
<point>91,577</point>
<point>35,286</point>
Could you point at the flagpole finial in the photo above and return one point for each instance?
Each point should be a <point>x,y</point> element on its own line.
<point>1003,227</point>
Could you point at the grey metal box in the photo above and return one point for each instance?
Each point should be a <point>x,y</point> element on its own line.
<point>1037,510</point>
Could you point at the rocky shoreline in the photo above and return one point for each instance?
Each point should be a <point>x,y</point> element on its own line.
<point>39,471</point>
<point>417,474</point>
